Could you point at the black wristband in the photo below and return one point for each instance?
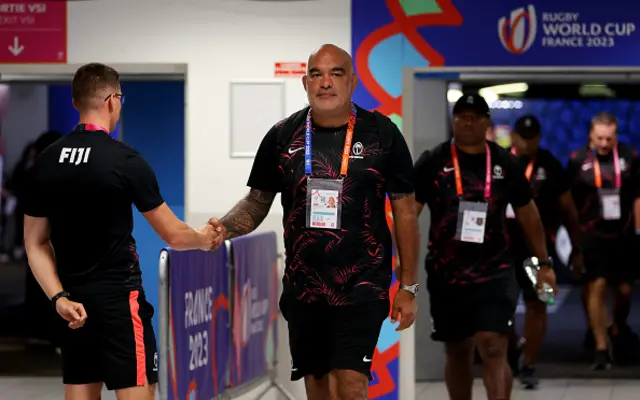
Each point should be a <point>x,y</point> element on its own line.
<point>546,263</point>
<point>57,297</point>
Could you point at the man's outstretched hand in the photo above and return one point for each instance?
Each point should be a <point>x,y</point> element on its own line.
<point>219,228</point>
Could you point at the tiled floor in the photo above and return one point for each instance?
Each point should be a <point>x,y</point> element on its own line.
<point>51,389</point>
<point>549,390</point>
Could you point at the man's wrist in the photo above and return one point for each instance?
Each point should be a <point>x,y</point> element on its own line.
<point>546,262</point>
<point>202,238</point>
<point>55,298</point>
<point>413,289</point>
<point>227,230</point>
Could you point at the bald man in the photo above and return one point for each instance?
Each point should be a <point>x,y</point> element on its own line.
<point>338,259</point>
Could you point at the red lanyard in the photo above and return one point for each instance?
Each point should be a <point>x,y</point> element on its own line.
<point>458,175</point>
<point>597,175</point>
<point>92,127</point>
<point>529,171</point>
<point>348,140</point>
<point>346,151</point>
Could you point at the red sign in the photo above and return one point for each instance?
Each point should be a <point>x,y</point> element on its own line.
<point>33,32</point>
<point>289,69</point>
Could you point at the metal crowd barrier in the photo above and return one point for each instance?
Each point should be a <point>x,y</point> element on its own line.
<point>218,317</point>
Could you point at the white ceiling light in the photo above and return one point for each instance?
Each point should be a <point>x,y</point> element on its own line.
<point>492,93</point>
<point>453,95</point>
<point>489,95</point>
<point>508,88</point>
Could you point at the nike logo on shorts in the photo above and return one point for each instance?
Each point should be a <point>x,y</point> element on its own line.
<point>291,151</point>
<point>365,359</point>
<point>447,169</point>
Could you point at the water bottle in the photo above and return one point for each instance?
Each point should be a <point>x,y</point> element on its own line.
<point>531,267</point>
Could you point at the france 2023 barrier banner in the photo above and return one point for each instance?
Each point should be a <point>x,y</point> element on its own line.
<point>255,307</point>
<point>199,333</point>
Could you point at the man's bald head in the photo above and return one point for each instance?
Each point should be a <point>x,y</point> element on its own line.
<point>330,81</point>
<point>334,52</point>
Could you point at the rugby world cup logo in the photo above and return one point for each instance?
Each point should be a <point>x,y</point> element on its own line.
<point>519,31</point>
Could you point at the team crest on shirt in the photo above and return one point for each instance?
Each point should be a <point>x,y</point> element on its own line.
<point>497,172</point>
<point>623,165</point>
<point>356,151</point>
<point>541,174</point>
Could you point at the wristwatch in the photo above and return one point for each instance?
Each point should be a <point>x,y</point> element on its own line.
<point>548,263</point>
<point>57,297</point>
<point>413,289</point>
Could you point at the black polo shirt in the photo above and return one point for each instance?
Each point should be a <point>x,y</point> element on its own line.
<point>351,264</point>
<point>451,261</point>
<point>85,185</point>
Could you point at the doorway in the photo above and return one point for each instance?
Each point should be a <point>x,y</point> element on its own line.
<point>153,123</point>
<point>427,103</point>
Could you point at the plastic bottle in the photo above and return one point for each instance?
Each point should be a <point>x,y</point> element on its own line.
<point>532,267</point>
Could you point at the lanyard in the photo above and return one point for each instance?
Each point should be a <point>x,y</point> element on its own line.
<point>456,171</point>
<point>308,132</point>
<point>91,127</point>
<point>597,175</point>
<point>529,171</point>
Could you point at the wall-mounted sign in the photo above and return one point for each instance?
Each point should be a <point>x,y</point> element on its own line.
<point>33,32</point>
<point>290,69</point>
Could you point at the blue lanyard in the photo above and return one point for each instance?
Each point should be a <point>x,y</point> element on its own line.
<point>308,133</point>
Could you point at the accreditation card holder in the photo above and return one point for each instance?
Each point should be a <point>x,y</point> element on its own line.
<point>472,220</point>
<point>472,215</point>
<point>609,198</point>
<point>610,204</point>
<point>324,203</point>
<point>324,196</point>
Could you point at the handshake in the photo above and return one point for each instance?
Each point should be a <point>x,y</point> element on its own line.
<point>212,235</point>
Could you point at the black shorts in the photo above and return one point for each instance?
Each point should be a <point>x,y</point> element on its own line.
<point>116,345</point>
<point>459,312</point>
<point>323,338</point>
<point>612,260</point>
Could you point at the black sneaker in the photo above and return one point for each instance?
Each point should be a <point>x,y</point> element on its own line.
<point>601,361</point>
<point>528,377</point>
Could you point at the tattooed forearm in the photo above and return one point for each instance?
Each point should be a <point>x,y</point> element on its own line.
<point>398,196</point>
<point>248,213</point>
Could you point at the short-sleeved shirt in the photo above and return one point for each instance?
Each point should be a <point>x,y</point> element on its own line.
<point>549,181</point>
<point>85,185</point>
<point>352,264</point>
<point>449,260</point>
<point>586,195</point>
